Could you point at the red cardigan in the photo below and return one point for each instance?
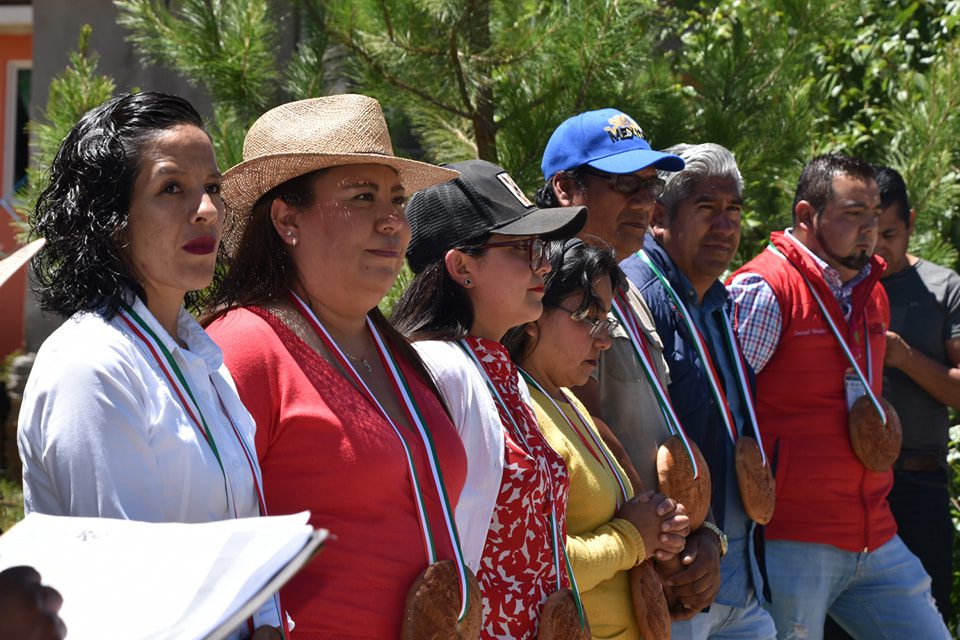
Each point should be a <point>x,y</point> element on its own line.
<point>323,447</point>
<point>824,494</point>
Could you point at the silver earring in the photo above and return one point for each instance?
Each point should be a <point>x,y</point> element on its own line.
<point>467,282</point>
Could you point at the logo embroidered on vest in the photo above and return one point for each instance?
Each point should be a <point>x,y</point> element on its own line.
<point>623,127</point>
<point>810,332</point>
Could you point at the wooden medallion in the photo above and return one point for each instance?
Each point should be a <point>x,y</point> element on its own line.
<point>675,473</point>
<point>433,606</point>
<point>758,489</point>
<point>877,445</point>
<point>559,619</point>
<point>649,603</point>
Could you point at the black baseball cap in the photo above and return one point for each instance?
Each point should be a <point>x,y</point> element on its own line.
<point>483,200</point>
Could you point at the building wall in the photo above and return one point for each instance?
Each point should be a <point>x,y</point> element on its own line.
<point>56,29</point>
<point>13,47</point>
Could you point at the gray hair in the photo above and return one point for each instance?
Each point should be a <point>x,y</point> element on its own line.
<point>703,161</point>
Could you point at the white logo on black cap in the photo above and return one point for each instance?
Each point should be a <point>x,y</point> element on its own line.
<point>514,189</point>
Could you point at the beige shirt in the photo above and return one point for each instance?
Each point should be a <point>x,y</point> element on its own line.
<point>628,403</point>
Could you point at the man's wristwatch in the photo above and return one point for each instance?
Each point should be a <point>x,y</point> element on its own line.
<point>721,536</point>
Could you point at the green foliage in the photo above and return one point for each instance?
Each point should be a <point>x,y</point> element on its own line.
<point>231,48</point>
<point>492,79</point>
<point>72,93</point>
<point>11,503</point>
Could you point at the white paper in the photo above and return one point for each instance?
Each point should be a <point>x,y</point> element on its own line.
<point>127,579</point>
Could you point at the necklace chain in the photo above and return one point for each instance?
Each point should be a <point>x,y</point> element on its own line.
<point>362,360</point>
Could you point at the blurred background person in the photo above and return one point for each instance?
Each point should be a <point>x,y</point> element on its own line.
<point>921,378</point>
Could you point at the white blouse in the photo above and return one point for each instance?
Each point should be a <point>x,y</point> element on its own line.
<point>477,420</point>
<point>103,433</point>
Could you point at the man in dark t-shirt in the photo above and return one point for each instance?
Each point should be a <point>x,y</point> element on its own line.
<point>921,379</point>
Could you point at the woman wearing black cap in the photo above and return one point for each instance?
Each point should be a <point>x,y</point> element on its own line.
<point>477,251</point>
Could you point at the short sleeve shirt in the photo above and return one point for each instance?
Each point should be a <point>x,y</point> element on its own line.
<point>924,311</point>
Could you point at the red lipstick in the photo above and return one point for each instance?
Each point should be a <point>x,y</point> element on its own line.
<point>201,246</point>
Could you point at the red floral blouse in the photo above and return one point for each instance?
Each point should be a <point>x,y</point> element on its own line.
<point>517,570</point>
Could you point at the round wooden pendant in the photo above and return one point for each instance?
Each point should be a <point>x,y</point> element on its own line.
<point>559,619</point>
<point>876,445</point>
<point>649,603</point>
<point>675,473</point>
<point>758,489</point>
<point>433,606</point>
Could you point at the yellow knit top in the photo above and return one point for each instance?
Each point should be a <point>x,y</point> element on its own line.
<point>602,547</point>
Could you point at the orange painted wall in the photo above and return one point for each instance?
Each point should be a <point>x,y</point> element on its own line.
<point>12,296</point>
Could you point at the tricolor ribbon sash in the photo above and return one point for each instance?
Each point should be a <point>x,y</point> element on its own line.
<point>716,386</point>
<point>416,419</point>
<point>558,549</point>
<point>624,313</point>
<point>181,388</point>
<point>591,437</point>
<point>840,339</point>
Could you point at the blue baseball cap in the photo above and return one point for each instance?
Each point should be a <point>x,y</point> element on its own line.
<point>608,140</point>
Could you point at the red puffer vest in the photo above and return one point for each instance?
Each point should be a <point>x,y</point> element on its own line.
<point>824,494</point>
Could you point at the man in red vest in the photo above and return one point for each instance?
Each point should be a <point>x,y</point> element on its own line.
<point>812,320</point>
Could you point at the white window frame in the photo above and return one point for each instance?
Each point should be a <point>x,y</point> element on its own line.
<point>10,123</point>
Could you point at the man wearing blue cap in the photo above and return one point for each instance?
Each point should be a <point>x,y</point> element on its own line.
<point>601,159</point>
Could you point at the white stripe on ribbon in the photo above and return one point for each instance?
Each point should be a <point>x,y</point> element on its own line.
<point>843,343</point>
<point>416,419</point>
<point>625,315</point>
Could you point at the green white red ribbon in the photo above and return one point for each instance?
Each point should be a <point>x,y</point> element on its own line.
<point>716,387</point>
<point>624,496</point>
<point>416,419</point>
<point>839,336</point>
<point>624,313</point>
<point>558,549</point>
<point>181,388</point>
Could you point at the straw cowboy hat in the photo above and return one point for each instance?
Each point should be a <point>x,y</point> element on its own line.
<point>16,260</point>
<point>300,137</point>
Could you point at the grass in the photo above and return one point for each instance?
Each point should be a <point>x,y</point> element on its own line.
<point>11,503</point>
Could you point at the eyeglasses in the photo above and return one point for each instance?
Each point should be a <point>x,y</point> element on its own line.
<point>534,247</point>
<point>597,327</point>
<point>630,184</point>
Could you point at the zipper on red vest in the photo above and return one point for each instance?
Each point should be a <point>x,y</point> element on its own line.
<point>866,514</point>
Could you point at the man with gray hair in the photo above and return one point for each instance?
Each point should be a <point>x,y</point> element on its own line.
<point>694,235</point>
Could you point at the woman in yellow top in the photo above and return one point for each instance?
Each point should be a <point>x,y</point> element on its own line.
<point>609,530</point>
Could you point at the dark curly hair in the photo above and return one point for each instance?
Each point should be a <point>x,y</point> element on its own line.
<point>84,210</point>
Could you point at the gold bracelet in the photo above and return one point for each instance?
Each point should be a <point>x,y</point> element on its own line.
<point>721,536</point>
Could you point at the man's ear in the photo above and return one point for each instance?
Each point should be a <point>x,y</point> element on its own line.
<point>803,215</point>
<point>459,266</point>
<point>912,221</point>
<point>659,221</point>
<point>565,188</point>
<point>284,219</point>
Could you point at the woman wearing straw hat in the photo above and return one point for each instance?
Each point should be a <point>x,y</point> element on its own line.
<point>349,424</point>
<point>610,531</point>
<point>129,411</point>
<point>477,252</point>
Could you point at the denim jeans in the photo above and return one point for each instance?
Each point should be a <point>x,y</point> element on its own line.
<point>722,622</point>
<point>882,594</point>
